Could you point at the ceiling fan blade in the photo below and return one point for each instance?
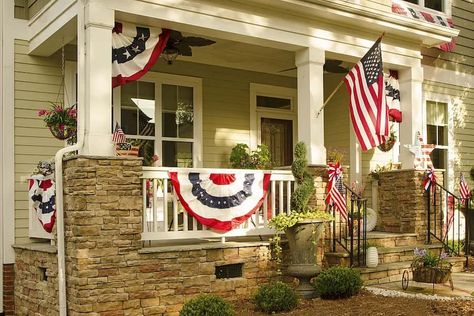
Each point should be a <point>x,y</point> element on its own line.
<point>197,41</point>
<point>184,49</point>
<point>333,66</point>
<point>293,68</point>
<point>175,35</point>
<point>333,62</point>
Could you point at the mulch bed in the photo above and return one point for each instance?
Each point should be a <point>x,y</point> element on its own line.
<point>368,304</point>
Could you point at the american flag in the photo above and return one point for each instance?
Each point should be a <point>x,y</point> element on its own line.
<point>463,188</point>
<point>118,136</point>
<point>449,216</point>
<point>335,191</point>
<point>368,108</point>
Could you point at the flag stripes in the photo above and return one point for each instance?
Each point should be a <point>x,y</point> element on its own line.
<point>118,136</point>
<point>464,188</point>
<point>335,190</point>
<point>368,107</point>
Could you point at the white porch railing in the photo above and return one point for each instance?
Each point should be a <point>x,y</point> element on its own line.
<point>164,219</point>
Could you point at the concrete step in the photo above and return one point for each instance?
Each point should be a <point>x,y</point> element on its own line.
<point>404,253</point>
<point>383,239</point>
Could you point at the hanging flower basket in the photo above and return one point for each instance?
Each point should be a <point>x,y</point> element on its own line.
<point>62,132</point>
<point>389,143</point>
<point>431,274</point>
<point>61,121</point>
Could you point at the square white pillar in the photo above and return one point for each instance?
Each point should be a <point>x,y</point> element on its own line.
<point>309,62</point>
<point>411,105</point>
<point>99,22</point>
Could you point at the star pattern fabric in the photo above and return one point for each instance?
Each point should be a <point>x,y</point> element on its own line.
<point>422,152</point>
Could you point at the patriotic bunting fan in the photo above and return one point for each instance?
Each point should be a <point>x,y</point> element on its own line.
<point>221,201</point>
<point>135,50</point>
<point>335,189</point>
<point>43,197</point>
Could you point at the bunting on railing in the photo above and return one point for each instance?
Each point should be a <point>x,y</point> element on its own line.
<point>335,189</point>
<point>221,201</point>
<point>135,50</point>
<point>449,216</point>
<point>430,180</point>
<point>404,8</point>
<point>42,194</point>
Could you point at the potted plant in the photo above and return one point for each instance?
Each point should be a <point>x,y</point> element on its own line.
<point>430,268</point>
<point>242,158</point>
<point>61,121</point>
<point>302,226</point>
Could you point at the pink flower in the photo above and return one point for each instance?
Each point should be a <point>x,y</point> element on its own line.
<point>61,127</point>
<point>43,112</point>
<point>58,109</point>
<point>155,158</point>
<point>72,112</point>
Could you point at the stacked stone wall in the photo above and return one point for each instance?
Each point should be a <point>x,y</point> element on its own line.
<point>403,203</point>
<point>36,283</point>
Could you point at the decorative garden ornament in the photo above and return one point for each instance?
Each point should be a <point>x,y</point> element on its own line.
<point>422,152</point>
<point>372,259</point>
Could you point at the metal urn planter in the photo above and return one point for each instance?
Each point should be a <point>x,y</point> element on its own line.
<point>303,240</point>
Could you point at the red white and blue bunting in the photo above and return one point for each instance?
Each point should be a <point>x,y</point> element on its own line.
<point>335,189</point>
<point>135,50</point>
<point>42,194</point>
<point>221,201</point>
<point>430,179</point>
<point>417,13</point>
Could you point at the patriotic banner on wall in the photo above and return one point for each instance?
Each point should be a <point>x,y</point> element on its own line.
<point>392,92</point>
<point>430,180</point>
<point>406,9</point>
<point>41,191</point>
<point>221,201</point>
<point>335,189</point>
<point>135,50</point>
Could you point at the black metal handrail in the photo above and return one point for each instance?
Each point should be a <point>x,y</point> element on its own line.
<point>441,201</point>
<point>350,233</point>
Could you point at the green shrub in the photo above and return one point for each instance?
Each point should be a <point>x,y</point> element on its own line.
<point>207,305</point>
<point>338,282</point>
<point>275,297</point>
<point>305,182</point>
<point>241,157</point>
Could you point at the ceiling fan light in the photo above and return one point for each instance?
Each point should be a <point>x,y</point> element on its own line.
<point>170,55</point>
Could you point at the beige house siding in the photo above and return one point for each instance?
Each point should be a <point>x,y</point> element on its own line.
<point>37,82</point>
<point>462,115</point>
<point>226,105</point>
<point>462,58</point>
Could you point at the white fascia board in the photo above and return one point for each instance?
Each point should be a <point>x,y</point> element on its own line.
<point>259,27</point>
<point>356,14</point>
<point>451,77</point>
<point>52,27</point>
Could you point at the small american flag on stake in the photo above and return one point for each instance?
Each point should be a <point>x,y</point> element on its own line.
<point>368,107</point>
<point>335,194</point>
<point>118,136</point>
<point>464,188</point>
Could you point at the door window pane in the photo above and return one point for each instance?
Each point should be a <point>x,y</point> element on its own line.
<point>273,102</point>
<point>278,136</point>
<point>177,154</point>
<point>178,111</point>
<point>434,4</point>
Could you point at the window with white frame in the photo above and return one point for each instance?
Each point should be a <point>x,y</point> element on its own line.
<point>437,132</point>
<point>162,114</point>
<point>436,5</point>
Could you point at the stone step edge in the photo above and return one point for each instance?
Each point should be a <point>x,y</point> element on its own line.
<point>387,250</point>
<point>401,265</point>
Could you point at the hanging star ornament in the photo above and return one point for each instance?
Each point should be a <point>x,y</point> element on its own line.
<point>422,152</point>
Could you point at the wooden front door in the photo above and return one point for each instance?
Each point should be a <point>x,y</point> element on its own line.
<point>277,134</point>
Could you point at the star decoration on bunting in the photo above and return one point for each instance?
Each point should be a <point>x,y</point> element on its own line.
<point>422,152</point>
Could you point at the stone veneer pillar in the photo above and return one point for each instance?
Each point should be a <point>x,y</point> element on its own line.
<point>402,202</point>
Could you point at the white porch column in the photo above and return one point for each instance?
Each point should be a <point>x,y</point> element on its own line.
<point>99,22</point>
<point>310,63</point>
<point>411,90</point>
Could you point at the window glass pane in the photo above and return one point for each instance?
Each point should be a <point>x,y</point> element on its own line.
<point>434,4</point>
<point>185,95</point>
<point>412,1</point>
<point>273,102</point>
<point>431,134</point>
<point>438,156</point>
<point>129,121</point>
<point>147,149</point>
<point>177,154</point>
<point>170,97</point>
<point>169,124</point>
<point>436,113</point>
<point>442,135</point>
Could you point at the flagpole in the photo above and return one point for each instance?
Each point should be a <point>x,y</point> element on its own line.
<point>329,98</point>
<point>335,90</point>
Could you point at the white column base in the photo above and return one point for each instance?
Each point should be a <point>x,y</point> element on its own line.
<point>98,145</point>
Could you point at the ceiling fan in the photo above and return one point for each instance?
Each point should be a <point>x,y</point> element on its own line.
<point>331,65</point>
<point>181,45</point>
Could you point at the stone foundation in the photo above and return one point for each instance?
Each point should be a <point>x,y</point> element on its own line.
<point>402,202</point>
<point>36,283</point>
<point>8,289</point>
